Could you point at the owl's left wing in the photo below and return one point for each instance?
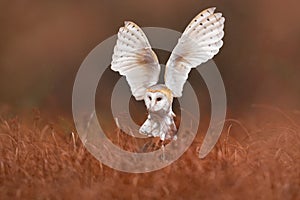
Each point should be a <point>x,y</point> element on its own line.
<point>200,41</point>
<point>134,58</point>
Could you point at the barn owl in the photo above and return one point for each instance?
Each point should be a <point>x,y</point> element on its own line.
<point>134,59</point>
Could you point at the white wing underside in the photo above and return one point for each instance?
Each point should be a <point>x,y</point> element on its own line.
<point>200,41</point>
<point>134,58</point>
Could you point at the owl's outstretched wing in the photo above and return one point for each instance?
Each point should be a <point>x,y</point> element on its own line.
<point>134,58</point>
<point>200,41</point>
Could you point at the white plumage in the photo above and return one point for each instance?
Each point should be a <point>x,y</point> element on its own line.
<point>200,41</point>
<point>134,58</point>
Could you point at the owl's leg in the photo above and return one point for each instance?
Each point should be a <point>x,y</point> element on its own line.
<point>168,128</point>
<point>172,132</point>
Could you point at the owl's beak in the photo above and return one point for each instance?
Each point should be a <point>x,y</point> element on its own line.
<point>152,105</point>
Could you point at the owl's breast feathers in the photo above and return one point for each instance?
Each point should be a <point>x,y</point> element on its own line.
<point>160,124</point>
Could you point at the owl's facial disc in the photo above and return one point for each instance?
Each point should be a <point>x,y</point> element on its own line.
<point>156,101</point>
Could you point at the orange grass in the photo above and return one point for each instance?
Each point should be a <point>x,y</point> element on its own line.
<point>39,160</point>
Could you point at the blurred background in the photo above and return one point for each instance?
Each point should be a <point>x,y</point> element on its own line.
<point>43,43</point>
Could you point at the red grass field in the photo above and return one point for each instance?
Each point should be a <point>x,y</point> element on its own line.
<point>255,158</point>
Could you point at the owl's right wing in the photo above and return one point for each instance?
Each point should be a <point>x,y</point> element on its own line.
<point>200,41</point>
<point>134,58</point>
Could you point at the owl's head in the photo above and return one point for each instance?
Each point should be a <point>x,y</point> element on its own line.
<point>158,97</point>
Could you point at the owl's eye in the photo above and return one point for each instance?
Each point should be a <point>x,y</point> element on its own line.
<point>149,98</point>
<point>158,99</point>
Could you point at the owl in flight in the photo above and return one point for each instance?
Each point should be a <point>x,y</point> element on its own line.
<point>134,59</point>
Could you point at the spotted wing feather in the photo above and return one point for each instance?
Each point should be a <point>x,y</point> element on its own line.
<point>200,41</point>
<point>134,58</point>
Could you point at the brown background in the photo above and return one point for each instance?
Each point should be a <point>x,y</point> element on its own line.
<point>43,44</point>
